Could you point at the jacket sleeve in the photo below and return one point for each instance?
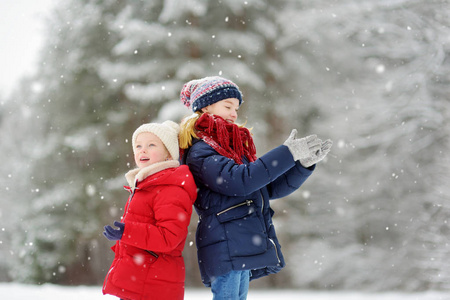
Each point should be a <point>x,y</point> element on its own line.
<point>223,175</point>
<point>172,210</point>
<point>290,181</point>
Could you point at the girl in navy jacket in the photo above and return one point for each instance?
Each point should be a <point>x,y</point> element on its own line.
<point>236,240</point>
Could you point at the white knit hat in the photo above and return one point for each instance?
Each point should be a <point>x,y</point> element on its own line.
<point>167,133</point>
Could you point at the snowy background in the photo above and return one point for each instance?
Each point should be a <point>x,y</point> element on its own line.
<point>22,36</point>
<point>373,76</point>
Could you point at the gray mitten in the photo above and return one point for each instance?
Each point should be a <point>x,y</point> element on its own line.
<point>304,147</point>
<point>318,155</point>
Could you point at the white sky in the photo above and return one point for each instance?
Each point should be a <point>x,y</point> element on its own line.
<point>21,37</point>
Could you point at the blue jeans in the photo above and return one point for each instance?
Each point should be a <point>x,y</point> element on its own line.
<point>231,286</point>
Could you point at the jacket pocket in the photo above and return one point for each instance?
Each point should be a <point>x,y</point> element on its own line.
<point>168,269</point>
<point>243,228</point>
<point>237,211</point>
<point>132,269</point>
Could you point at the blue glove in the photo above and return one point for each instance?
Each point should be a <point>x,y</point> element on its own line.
<point>114,234</point>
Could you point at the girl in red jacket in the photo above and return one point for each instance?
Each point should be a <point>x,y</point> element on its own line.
<point>152,232</point>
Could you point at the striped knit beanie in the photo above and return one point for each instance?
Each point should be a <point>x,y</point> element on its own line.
<point>200,93</point>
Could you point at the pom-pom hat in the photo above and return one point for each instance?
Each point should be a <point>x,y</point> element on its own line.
<point>167,132</point>
<point>200,93</point>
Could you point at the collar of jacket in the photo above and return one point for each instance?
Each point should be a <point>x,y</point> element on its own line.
<point>138,175</point>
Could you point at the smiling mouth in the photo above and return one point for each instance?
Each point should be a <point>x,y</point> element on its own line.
<point>144,159</point>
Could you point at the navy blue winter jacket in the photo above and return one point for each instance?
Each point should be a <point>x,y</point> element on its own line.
<point>235,231</point>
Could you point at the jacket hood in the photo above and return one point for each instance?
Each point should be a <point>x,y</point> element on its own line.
<point>163,173</point>
<point>140,174</point>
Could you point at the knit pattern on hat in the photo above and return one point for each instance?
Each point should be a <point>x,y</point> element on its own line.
<point>200,93</point>
<point>167,132</point>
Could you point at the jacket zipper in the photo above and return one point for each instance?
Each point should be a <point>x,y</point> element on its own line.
<point>131,198</point>
<point>275,246</point>
<point>276,250</point>
<point>107,276</point>
<point>152,253</point>
<point>247,202</point>
<point>262,202</point>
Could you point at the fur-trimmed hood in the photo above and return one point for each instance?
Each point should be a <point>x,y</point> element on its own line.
<point>138,175</point>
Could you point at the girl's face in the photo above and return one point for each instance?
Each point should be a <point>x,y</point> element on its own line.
<point>226,108</point>
<point>149,149</point>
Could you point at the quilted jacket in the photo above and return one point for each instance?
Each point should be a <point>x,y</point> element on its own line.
<point>148,262</point>
<point>235,231</point>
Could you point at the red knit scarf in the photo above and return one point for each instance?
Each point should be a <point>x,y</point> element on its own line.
<point>226,138</point>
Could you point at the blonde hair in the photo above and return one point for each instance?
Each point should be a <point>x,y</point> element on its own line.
<point>187,130</point>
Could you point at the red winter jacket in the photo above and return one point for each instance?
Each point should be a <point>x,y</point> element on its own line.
<point>148,262</point>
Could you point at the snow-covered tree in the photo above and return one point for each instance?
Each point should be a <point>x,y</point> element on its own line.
<point>376,211</point>
<point>81,151</point>
<point>20,137</point>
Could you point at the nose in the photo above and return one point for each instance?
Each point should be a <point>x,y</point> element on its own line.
<point>143,149</point>
<point>234,115</point>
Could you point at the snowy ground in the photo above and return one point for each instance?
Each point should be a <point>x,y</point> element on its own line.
<point>15,291</point>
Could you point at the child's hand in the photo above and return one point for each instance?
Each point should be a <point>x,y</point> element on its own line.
<point>114,234</point>
<point>318,155</point>
<point>303,148</point>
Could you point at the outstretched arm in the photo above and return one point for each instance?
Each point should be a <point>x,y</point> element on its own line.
<point>225,176</point>
<point>289,181</point>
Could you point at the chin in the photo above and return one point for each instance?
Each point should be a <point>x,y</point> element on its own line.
<point>144,165</point>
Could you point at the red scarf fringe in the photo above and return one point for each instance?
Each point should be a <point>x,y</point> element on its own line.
<point>226,138</point>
